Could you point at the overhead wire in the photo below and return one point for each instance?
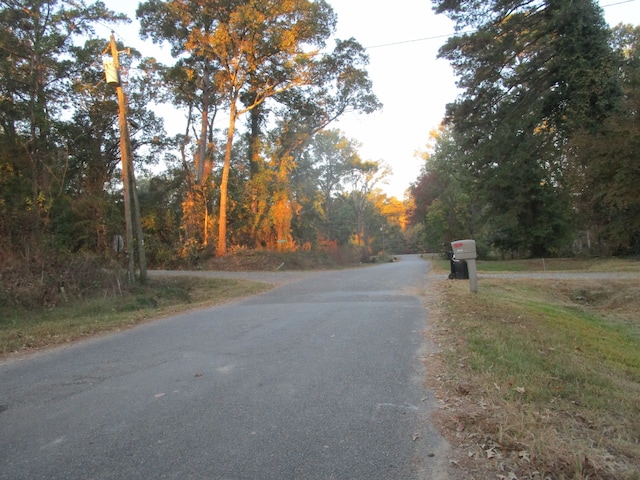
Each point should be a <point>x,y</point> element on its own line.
<point>435,37</point>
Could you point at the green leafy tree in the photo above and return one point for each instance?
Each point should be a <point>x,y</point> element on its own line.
<point>362,180</point>
<point>38,63</point>
<point>603,165</point>
<point>161,203</point>
<point>36,70</point>
<point>445,199</point>
<point>331,158</point>
<point>92,148</point>
<point>532,75</point>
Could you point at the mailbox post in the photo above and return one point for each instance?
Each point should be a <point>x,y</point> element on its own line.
<point>466,250</point>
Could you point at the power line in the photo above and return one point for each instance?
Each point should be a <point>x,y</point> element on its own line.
<point>402,42</point>
<point>618,3</point>
<point>435,37</point>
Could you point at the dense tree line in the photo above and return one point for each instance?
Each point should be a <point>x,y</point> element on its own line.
<point>277,177</point>
<point>539,154</point>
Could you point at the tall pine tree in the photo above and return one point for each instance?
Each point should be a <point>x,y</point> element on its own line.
<point>532,74</point>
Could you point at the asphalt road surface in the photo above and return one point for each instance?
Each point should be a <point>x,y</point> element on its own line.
<point>319,378</point>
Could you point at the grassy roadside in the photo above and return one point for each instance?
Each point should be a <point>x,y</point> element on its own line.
<point>78,296</point>
<point>26,330</point>
<point>538,378</point>
<point>607,264</point>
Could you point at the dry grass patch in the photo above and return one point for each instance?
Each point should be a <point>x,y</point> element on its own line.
<point>23,330</point>
<point>539,379</point>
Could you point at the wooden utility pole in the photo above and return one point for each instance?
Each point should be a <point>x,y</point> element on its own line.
<point>128,180</point>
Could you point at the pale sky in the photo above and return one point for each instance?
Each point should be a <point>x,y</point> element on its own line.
<point>402,39</point>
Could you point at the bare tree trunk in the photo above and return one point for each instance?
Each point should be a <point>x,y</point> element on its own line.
<point>224,184</point>
<point>204,127</point>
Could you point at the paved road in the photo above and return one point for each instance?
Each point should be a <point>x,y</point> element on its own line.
<point>320,378</point>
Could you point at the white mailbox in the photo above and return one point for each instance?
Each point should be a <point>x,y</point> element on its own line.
<point>464,249</point>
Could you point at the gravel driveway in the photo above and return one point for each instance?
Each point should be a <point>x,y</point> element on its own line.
<point>565,275</point>
<point>277,278</point>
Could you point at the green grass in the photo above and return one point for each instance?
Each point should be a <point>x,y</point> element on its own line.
<point>23,330</point>
<point>532,350</point>
<point>560,347</point>
<point>547,265</point>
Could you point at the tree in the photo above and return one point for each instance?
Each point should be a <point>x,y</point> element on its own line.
<point>392,217</point>
<point>603,165</point>
<point>362,180</point>
<point>548,62</point>
<point>331,158</point>
<point>37,67</point>
<point>270,40</point>
<point>532,75</point>
<point>160,199</point>
<point>446,201</point>
<point>92,157</point>
<point>340,84</point>
<point>190,84</point>
<point>430,184</point>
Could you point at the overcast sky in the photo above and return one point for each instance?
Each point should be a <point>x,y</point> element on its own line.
<point>402,39</point>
